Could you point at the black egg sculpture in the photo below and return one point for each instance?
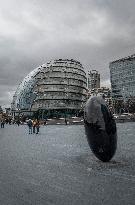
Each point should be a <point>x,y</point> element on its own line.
<point>100,128</point>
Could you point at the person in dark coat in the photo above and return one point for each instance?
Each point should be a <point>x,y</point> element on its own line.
<point>34,125</point>
<point>2,123</point>
<point>29,123</point>
<point>37,126</point>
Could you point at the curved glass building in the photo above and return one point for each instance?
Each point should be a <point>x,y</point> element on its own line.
<point>56,86</point>
<point>24,96</point>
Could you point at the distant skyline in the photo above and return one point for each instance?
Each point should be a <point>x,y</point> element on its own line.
<point>33,32</point>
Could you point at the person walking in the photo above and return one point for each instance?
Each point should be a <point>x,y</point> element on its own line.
<point>2,123</point>
<point>29,123</point>
<point>37,126</point>
<point>34,125</point>
<point>65,121</point>
<point>18,122</point>
<point>45,122</point>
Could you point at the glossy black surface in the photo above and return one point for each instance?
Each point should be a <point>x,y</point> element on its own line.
<point>103,143</point>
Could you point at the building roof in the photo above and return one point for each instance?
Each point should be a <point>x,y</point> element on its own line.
<point>123,59</point>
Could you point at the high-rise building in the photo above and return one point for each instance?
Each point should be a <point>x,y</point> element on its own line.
<point>93,80</point>
<point>122,75</point>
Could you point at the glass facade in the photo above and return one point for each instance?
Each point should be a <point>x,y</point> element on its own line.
<point>58,84</point>
<point>61,84</point>
<point>122,74</point>
<point>24,96</point>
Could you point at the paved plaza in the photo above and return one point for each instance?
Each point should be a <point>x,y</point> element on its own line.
<point>56,167</point>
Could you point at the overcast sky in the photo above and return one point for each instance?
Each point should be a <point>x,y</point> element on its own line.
<point>33,32</point>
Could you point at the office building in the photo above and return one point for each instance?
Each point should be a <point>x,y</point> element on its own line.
<point>56,86</point>
<point>93,80</point>
<point>122,75</point>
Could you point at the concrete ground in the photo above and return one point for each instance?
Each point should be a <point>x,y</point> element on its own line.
<point>56,167</point>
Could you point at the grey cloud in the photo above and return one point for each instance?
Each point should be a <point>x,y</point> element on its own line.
<point>33,32</point>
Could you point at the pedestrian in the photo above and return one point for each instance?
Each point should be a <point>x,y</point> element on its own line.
<point>34,125</point>
<point>45,122</point>
<point>37,126</point>
<point>9,121</point>
<point>65,121</point>
<point>2,123</point>
<point>29,123</point>
<point>18,122</point>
